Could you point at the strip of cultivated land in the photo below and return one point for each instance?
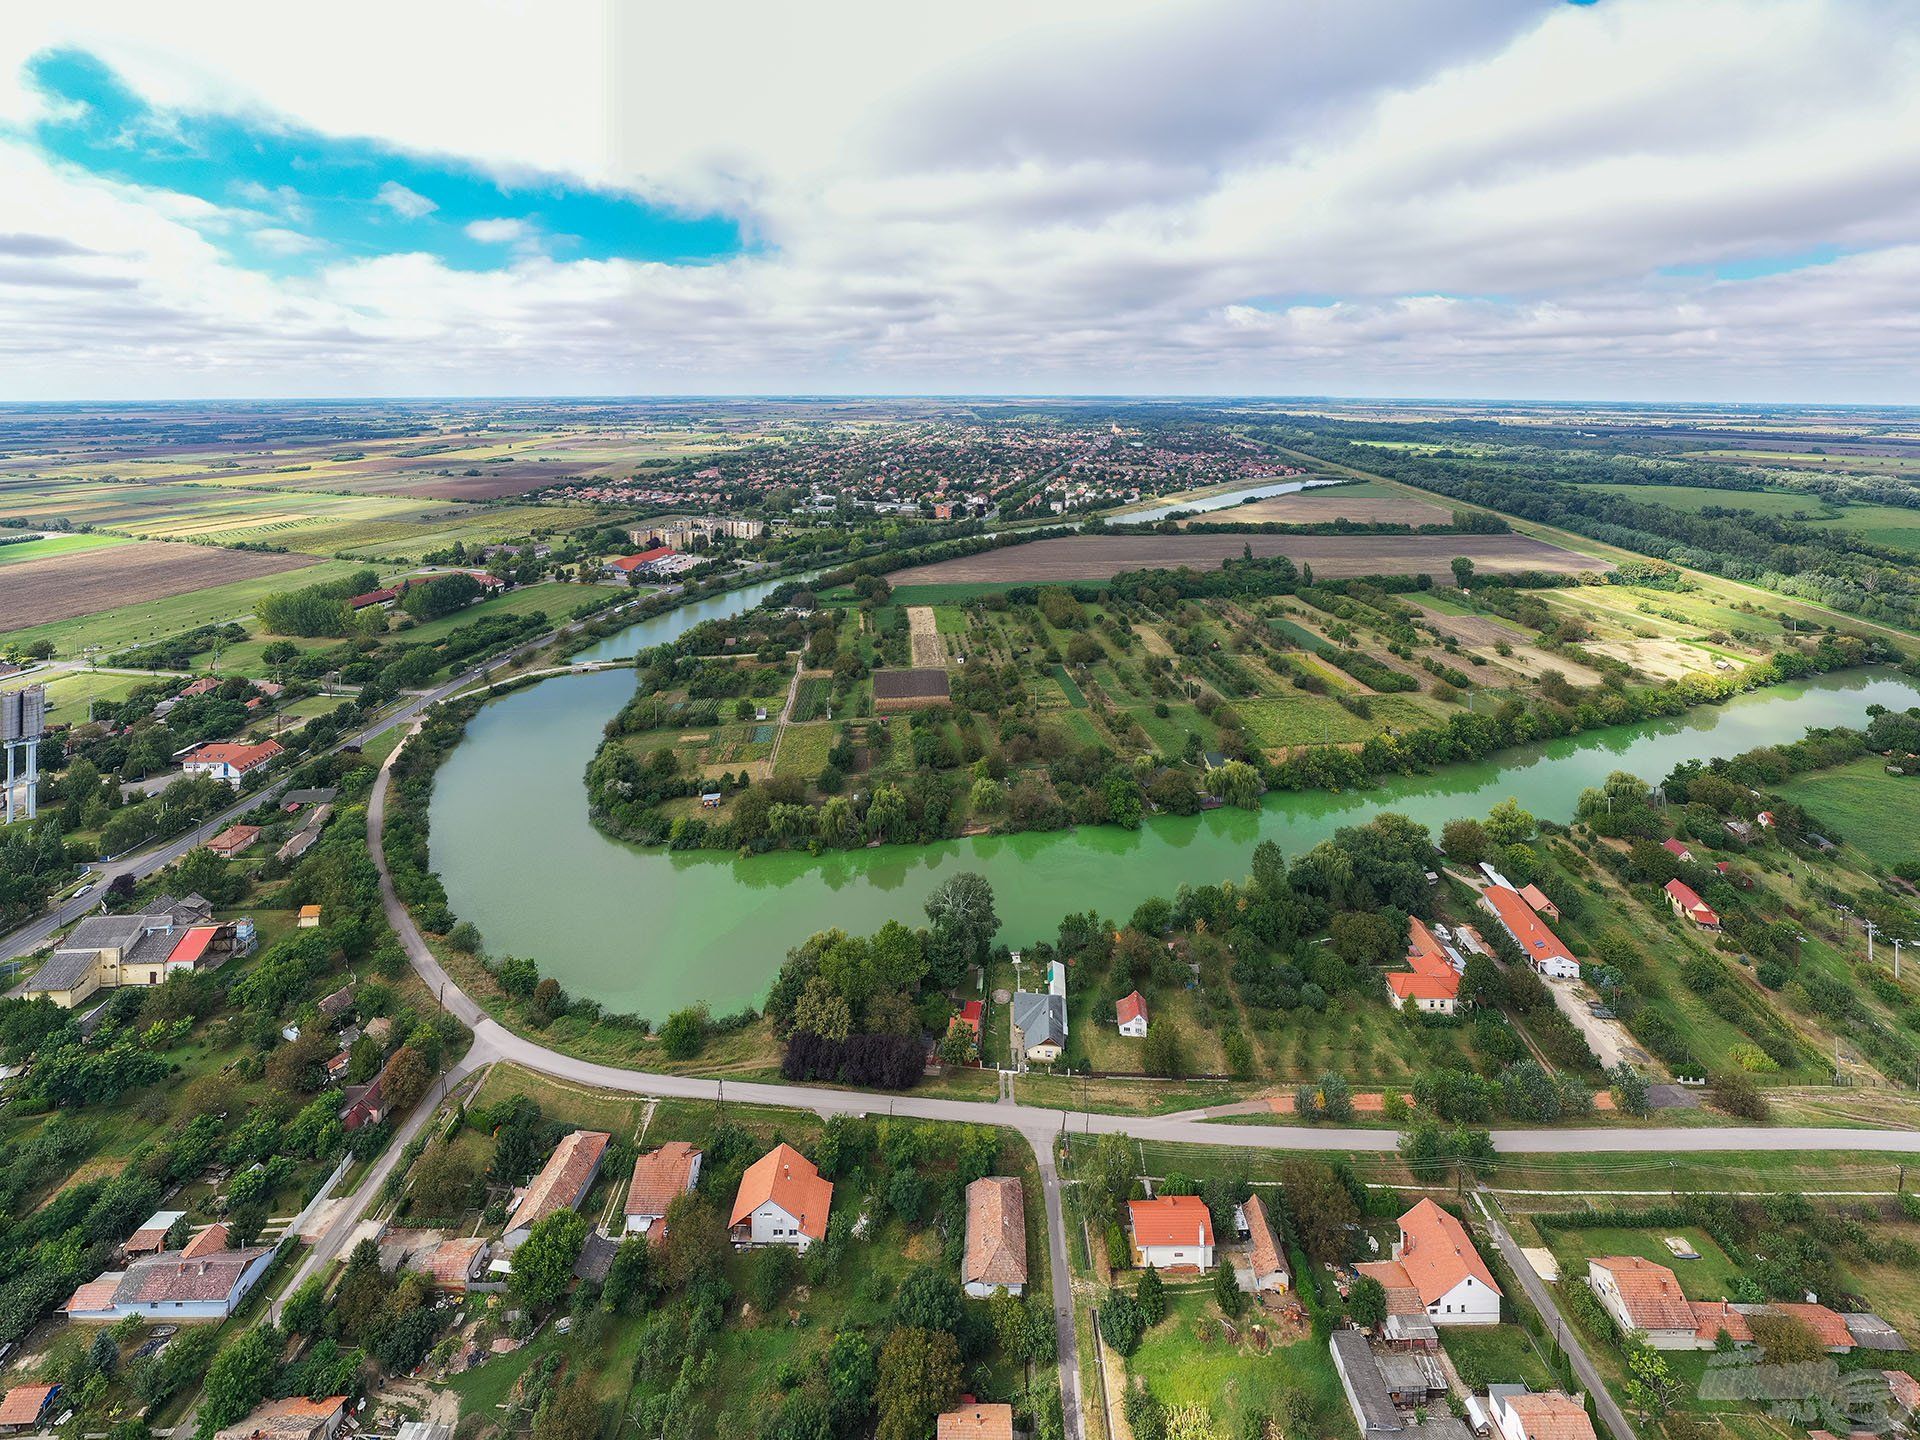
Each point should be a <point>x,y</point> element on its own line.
<point>62,587</point>
<point>1307,508</point>
<point>1101,557</point>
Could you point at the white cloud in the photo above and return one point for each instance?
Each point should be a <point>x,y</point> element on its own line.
<point>407,204</point>
<point>281,241</point>
<point>502,232</point>
<point>1093,194</point>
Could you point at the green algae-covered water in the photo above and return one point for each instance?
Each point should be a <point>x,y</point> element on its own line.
<point>648,931</point>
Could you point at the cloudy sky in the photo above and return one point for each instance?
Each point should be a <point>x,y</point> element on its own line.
<point>1639,199</point>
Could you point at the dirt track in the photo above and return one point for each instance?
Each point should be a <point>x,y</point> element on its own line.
<point>61,587</point>
<point>924,633</point>
<point>1101,557</point>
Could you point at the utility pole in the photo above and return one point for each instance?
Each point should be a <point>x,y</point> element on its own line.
<point>1872,930</point>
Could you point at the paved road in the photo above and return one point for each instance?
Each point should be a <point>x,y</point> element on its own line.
<point>1611,1415</point>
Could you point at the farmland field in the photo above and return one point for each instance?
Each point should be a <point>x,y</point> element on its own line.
<point>1101,557</point>
<point>64,587</point>
<point>48,546</point>
<point>143,620</point>
<point>1309,508</point>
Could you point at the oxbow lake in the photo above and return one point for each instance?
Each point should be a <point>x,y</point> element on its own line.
<point>647,931</point>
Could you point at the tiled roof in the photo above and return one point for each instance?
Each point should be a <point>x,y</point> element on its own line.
<point>996,1252</point>
<point>1535,940</point>
<point>563,1179</point>
<point>1674,847</point>
<point>1437,1253</point>
<point>788,1179</point>
<point>1904,1389</point>
<point>1171,1220</point>
<point>1130,1007</point>
<point>1266,1251</point>
<point>96,1294</point>
<point>1410,985</point>
<point>168,1279</point>
<point>452,1261</point>
<point>192,946</point>
<point>1828,1326</point>
<point>1536,897</point>
<point>1649,1292</point>
<point>1551,1415</point>
<point>975,1422</point>
<point>232,752</point>
<point>1402,1298</point>
<point>291,1419</point>
<point>209,1241</point>
<point>23,1403</point>
<point>1710,1317</point>
<point>659,1177</point>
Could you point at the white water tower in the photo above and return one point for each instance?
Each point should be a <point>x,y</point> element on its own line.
<point>23,723</point>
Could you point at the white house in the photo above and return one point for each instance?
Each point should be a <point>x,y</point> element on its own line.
<point>782,1200</point>
<point>1434,1263</point>
<point>1172,1232</point>
<point>1131,1013</point>
<point>229,760</point>
<point>1645,1298</point>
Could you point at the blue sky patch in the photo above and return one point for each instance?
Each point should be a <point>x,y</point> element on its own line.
<point>1755,267</point>
<point>313,200</point>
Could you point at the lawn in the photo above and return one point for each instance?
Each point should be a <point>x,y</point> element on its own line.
<point>1075,696</point>
<point>1303,719</point>
<point>1710,1277</point>
<point>1876,812</point>
<point>1496,1355</point>
<point>67,695</point>
<point>1232,1380</point>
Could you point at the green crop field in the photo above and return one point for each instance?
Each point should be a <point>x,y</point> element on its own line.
<point>49,546</point>
<point>1893,525</point>
<point>803,750</point>
<point>1876,812</point>
<point>67,695</point>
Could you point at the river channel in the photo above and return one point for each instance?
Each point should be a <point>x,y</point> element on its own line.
<point>648,931</point>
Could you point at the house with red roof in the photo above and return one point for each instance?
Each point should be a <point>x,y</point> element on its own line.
<point>1677,850</point>
<point>1689,906</point>
<point>1537,898</point>
<point>782,1200</point>
<point>641,563</point>
<point>1543,948</point>
<point>1436,1262</point>
<point>1131,1013</point>
<point>1172,1232</point>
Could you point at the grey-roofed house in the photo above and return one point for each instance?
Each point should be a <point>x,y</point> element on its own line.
<point>106,951</point>
<point>1374,1412</point>
<point>1040,1021</point>
<point>1870,1332</point>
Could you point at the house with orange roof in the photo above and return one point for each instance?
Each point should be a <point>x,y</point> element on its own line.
<point>1429,983</point>
<point>1130,1012</point>
<point>782,1200</point>
<point>1537,898</point>
<point>1435,1262</point>
<point>972,1420</point>
<point>1172,1232</point>
<point>1644,1298</point>
<point>1543,948</point>
<point>295,1418</point>
<point>660,1177</point>
<point>1522,1414</point>
<point>1688,905</point>
<point>562,1183</point>
<point>24,1406</point>
<point>996,1250</point>
<point>1269,1268</point>
<point>1678,850</point>
<point>232,840</point>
